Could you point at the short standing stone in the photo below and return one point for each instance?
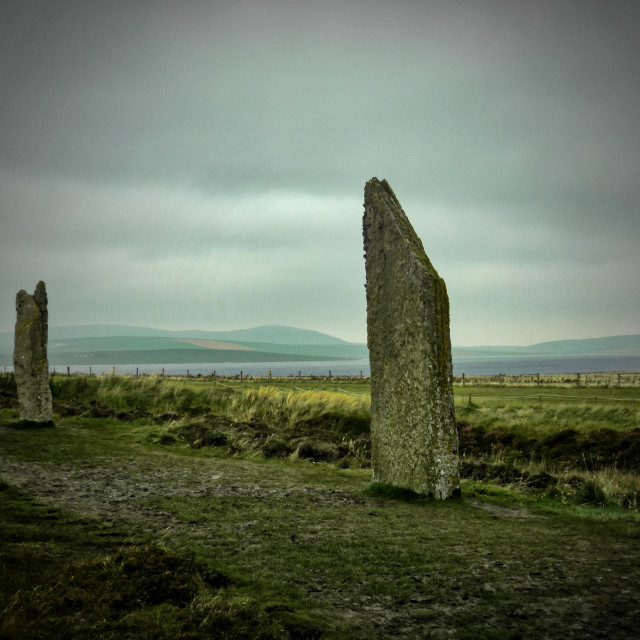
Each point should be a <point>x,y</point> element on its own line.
<point>30,364</point>
<point>414,440</point>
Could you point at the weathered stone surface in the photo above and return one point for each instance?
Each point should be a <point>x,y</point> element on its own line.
<point>413,434</point>
<point>30,364</point>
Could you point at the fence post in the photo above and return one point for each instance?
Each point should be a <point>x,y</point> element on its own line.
<point>68,371</point>
<point>618,381</point>
<point>163,374</point>
<point>240,376</point>
<point>329,375</point>
<point>538,378</point>
<point>188,373</point>
<point>136,372</point>
<point>463,380</point>
<point>577,379</point>
<point>89,370</point>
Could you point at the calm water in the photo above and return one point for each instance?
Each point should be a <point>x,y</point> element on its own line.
<point>470,366</point>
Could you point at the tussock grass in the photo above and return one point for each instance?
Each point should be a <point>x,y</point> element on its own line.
<point>540,421</point>
<point>611,490</point>
<point>322,425</point>
<point>605,488</point>
<point>157,396</point>
<point>308,550</point>
<point>488,407</point>
<point>286,422</point>
<point>292,407</point>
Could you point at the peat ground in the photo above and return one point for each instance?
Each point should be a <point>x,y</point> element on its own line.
<point>108,533</point>
<point>159,509</point>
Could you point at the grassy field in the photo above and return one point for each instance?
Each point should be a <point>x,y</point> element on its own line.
<point>189,509</point>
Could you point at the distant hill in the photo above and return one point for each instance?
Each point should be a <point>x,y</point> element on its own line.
<point>611,345</point>
<point>176,356</point>
<point>105,331</point>
<point>121,344</point>
<point>271,334</point>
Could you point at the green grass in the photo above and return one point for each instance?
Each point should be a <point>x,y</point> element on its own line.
<point>533,421</point>
<point>309,547</point>
<point>223,541</point>
<point>64,576</point>
<point>236,401</point>
<point>534,415</point>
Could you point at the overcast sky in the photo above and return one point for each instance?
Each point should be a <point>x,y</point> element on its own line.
<point>201,164</point>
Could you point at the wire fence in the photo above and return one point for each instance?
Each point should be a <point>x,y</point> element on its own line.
<point>540,397</point>
<point>591,379</point>
<point>486,387</point>
<point>528,380</point>
<point>607,379</point>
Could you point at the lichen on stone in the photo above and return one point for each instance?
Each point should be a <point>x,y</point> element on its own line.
<point>30,363</point>
<point>414,439</point>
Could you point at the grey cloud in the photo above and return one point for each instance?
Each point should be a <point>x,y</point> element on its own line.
<point>220,134</point>
<point>468,114</point>
<point>147,223</point>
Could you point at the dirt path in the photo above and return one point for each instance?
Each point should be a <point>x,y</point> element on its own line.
<point>113,491</point>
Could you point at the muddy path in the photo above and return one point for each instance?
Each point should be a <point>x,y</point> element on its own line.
<point>114,493</point>
<point>588,588</point>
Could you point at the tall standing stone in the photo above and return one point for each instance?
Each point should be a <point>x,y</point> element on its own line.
<point>30,364</point>
<point>414,441</point>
